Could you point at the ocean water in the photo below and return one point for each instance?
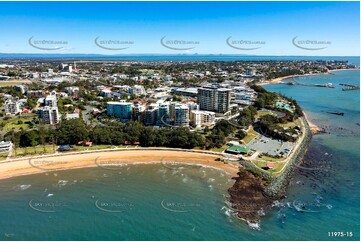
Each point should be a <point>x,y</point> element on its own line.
<point>328,180</point>
<point>157,202</point>
<point>180,57</point>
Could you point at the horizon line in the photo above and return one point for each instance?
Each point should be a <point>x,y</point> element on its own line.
<point>175,54</point>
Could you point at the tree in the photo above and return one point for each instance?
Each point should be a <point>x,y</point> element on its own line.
<point>29,138</point>
<point>72,131</point>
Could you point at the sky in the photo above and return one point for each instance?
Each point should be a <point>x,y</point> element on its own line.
<point>115,28</point>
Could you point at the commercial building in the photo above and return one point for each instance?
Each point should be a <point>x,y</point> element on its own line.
<point>186,92</point>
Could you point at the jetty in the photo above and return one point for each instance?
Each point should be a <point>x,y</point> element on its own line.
<point>335,113</point>
<point>349,87</point>
<point>293,82</point>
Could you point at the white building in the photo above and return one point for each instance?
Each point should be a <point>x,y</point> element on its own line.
<point>12,107</point>
<point>137,90</point>
<point>5,146</point>
<point>50,101</point>
<point>69,116</point>
<point>71,90</point>
<point>202,118</point>
<point>181,115</point>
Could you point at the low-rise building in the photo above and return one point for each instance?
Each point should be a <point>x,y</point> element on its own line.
<point>21,88</point>
<point>12,107</point>
<point>72,90</point>
<point>200,118</point>
<point>5,146</point>
<point>35,93</point>
<point>138,90</point>
<point>74,115</point>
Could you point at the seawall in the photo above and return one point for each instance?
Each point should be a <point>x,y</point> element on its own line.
<point>278,187</point>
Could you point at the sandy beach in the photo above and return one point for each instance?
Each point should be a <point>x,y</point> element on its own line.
<point>106,159</point>
<point>280,79</point>
<point>276,80</point>
<point>313,127</point>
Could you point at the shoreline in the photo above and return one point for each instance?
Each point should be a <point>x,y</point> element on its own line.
<point>112,160</point>
<point>280,79</point>
<point>313,127</point>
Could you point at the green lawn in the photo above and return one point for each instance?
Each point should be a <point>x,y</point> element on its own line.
<point>223,148</point>
<point>262,162</point>
<point>50,149</point>
<point>262,113</point>
<point>13,123</point>
<point>250,135</point>
<point>297,122</point>
<point>31,151</point>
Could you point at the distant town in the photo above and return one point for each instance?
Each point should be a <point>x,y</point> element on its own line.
<point>62,105</point>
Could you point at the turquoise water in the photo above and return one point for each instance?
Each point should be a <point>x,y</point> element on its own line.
<point>154,202</point>
<point>330,174</point>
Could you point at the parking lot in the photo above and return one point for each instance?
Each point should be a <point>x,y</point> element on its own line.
<point>273,147</point>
